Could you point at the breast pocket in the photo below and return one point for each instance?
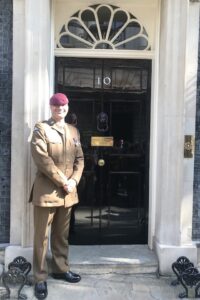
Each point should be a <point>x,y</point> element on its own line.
<point>72,150</point>
<point>56,151</point>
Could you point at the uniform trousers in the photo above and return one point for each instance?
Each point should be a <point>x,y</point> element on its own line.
<point>59,219</point>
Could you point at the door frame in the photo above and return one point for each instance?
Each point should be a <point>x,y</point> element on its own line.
<point>152,55</point>
<point>153,132</point>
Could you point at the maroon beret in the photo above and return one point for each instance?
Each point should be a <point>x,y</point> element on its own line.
<point>58,99</point>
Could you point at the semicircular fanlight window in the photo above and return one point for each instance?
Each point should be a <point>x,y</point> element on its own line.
<point>103,27</point>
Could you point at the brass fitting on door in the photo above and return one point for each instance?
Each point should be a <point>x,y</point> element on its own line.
<point>101,162</point>
<point>188,146</point>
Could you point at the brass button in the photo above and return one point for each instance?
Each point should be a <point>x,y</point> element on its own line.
<point>101,162</point>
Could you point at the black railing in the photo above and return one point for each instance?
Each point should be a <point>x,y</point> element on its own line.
<point>188,276</point>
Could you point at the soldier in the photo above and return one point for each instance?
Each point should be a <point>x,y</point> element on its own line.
<point>57,153</point>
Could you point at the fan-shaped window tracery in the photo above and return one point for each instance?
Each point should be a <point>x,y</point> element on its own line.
<point>103,27</point>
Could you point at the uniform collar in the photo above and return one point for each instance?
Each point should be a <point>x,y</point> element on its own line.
<point>53,124</point>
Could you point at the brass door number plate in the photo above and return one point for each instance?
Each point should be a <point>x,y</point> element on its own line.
<point>102,141</point>
<point>188,146</point>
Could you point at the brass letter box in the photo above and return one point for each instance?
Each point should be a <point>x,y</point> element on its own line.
<point>102,141</point>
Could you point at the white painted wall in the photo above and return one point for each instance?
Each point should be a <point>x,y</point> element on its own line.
<point>31,91</point>
<point>17,155</point>
<point>176,117</point>
<point>190,94</point>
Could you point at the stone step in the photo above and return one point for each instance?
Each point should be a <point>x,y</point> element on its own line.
<point>102,259</point>
<point>123,259</point>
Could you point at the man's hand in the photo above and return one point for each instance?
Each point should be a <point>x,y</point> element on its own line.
<point>70,185</point>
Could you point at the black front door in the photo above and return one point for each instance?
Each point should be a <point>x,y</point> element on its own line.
<point>110,105</point>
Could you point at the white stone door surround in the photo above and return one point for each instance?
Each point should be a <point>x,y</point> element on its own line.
<point>173,101</point>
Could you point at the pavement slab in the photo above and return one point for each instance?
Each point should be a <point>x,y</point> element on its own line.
<point>110,287</point>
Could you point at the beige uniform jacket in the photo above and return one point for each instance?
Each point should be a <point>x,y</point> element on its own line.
<point>57,154</point>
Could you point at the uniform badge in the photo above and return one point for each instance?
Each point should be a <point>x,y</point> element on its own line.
<point>36,129</point>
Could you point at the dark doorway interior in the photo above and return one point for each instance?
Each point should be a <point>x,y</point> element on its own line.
<point>110,104</point>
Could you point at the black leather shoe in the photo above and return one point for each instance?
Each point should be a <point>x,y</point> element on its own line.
<point>67,276</point>
<point>41,290</point>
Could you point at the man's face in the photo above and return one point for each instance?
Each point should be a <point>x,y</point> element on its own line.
<point>58,113</point>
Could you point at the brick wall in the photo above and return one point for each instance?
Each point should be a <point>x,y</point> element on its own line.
<point>5,115</point>
<point>196,205</point>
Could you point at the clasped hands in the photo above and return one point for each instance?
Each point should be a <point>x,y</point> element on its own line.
<point>70,185</point>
